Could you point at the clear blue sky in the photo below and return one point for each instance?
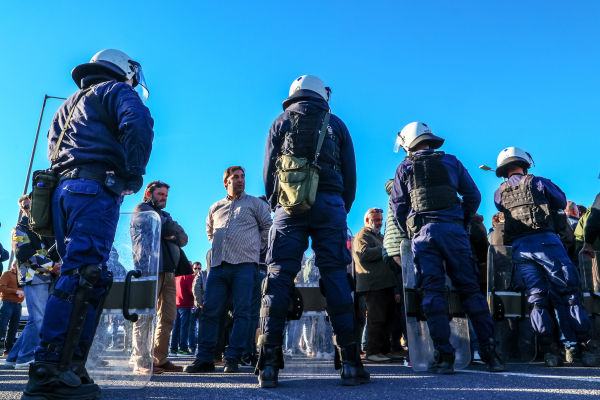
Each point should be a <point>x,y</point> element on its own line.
<point>485,75</point>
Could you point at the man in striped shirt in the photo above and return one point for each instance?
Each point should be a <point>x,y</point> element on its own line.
<point>238,227</point>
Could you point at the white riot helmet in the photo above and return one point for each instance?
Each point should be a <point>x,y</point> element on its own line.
<point>415,133</point>
<point>512,155</point>
<point>310,82</point>
<point>117,65</point>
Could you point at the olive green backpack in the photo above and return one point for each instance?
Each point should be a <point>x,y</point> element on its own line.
<point>298,179</point>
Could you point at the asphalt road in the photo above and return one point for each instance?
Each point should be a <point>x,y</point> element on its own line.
<point>317,380</point>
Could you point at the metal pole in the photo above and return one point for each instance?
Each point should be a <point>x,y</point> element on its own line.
<point>37,134</point>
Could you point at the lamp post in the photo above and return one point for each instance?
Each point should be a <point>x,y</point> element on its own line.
<point>37,134</point>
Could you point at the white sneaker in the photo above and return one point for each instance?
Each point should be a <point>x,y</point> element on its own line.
<point>329,356</point>
<point>319,355</point>
<point>24,365</point>
<point>378,358</point>
<point>171,354</point>
<point>477,358</point>
<point>9,364</point>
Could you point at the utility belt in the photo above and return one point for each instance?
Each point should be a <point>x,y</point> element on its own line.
<point>112,183</point>
<point>415,223</point>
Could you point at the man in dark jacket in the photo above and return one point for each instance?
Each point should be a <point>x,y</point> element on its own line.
<point>99,144</point>
<point>173,238</point>
<point>425,202</point>
<point>375,281</point>
<point>296,133</point>
<point>542,265</point>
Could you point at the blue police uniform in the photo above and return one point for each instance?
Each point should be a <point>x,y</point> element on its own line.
<point>544,269</point>
<point>442,237</point>
<point>324,222</point>
<point>85,213</point>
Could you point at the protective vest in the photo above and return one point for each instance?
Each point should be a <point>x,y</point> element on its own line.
<point>430,185</point>
<point>524,212</point>
<point>301,140</point>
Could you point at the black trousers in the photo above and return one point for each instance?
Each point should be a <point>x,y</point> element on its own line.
<point>361,317</point>
<point>381,311</point>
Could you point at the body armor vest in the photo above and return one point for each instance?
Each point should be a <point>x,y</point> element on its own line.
<point>523,212</point>
<point>430,185</point>
<point>301,140</point>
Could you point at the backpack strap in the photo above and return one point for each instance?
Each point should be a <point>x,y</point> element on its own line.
<point>67,124</point>
<point>98,107</point>
<point>322,134</point>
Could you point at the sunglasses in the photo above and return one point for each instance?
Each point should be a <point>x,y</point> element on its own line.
<point>377,210</point>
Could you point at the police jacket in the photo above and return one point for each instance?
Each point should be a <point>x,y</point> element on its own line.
<point>31,252</point>
<point>4,256</point>
<point>338,165</point>
<point>123,147</point>
<point>543,191</point>
<point>460,180</point>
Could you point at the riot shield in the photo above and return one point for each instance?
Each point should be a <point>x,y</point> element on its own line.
<point>510,310</point>
<point>124,336</point>
<point>590,285</point>
<point>420,344</point>
<point>308,341</point>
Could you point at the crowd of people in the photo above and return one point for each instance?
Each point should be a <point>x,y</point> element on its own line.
<point>245,311</point>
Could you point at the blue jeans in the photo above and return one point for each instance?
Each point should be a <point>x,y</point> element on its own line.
<point>254,312</point>
<point>195,328</point>
<point>181,329</point>
<point>10,314</point>
<point>36,297</point>
<point>227,280</point>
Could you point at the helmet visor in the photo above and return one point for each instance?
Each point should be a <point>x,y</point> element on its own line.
<point>398,144</point>
<point>139,82</point>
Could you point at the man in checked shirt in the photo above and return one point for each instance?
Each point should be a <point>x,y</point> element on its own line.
<point>238,227</point>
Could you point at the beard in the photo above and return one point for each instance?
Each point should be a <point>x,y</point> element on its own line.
<point>156,203</point>
<point>375,228</point>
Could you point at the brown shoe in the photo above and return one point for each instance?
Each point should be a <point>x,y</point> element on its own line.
<point>216,361</point>
<point>170,367</point>
<point>146,371</point>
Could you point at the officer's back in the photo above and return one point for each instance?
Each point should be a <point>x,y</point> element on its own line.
<point>336,158</point>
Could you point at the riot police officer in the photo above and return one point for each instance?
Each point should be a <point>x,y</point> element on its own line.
<point>530,205</point>
<point>296,133</point>
<point>99,144</point>
<point>425,202</point>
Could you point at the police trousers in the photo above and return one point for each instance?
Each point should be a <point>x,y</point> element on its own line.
<point>325,224</point>
<point>85,222</point>
<point>434,245</point>
<point>544,269</point>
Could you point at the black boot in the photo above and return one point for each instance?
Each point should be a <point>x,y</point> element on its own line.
<point>552,356</point>
<point>490,357</point>
<point>270,360</point>
<point>47,382</point>
<point>590,353</point>
<point>350,365</point>
<point>443,363</point>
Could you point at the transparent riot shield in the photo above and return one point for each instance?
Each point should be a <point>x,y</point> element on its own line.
<point>308,342</point>
<point>420,345</point>
<point>590,287</point>
<point>122,351</point>
<point>510,310</point>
